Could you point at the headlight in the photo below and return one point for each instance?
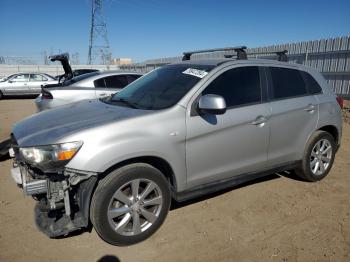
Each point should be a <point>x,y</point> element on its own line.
<point>50,154</point>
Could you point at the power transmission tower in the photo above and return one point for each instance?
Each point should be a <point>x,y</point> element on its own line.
<point>99,50</point>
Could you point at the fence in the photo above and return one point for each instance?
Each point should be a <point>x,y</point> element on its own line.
<point>331,57</point>
<point>6,70</point>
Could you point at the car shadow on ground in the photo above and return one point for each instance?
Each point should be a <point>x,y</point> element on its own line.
<point>19,97</point>
<point>4,150</point>
<point>109,258</point>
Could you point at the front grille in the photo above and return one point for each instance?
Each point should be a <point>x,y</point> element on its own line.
<point>35,187</point>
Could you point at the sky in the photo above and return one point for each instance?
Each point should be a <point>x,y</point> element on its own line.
<point>149,29</point>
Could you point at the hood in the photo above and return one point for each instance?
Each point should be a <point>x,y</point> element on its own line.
<point>64,59</point>
<point>49,126</point>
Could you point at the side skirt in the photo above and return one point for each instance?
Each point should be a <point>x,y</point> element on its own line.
<point>230,182</point>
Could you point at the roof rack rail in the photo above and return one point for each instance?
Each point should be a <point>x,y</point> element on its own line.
<point>281,55</point>
<point>240,50</point>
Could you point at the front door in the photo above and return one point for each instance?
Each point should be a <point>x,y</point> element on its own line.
<point>236,142</point>
<point>17,85</point>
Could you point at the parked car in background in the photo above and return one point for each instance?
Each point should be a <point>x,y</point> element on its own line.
<point>24,84</point>
<point>69,73</point>
<point>180,131</point>
<point>87,86</point>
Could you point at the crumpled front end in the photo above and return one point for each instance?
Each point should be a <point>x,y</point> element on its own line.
<point>62,195</point>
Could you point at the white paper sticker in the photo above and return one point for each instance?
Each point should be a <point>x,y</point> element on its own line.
<point>195,72</point>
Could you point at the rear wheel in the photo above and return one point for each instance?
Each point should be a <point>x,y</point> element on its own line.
<point>130,204</point>
<point>318,157</point>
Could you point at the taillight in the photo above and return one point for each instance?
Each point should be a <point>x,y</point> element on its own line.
<point>46,95</point>
<point>340,102</point>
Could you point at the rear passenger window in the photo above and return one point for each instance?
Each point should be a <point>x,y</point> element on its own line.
<point>116,81</point>
<point>237,86</point>
<point>111,82</point>
<point>286,83</point>
<point>132,78</point>
<point>100,83</point>
<point>311,83</point>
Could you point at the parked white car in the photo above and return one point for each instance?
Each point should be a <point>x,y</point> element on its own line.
<point>88,86</point>
<point>24,84</point>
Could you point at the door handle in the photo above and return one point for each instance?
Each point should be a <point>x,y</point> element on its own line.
<point>259,120</point>
<point>103,94</point>
<point>310,108</point>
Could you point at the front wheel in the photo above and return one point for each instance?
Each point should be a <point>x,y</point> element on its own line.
<point>130,204</point>
<point>318,157</point>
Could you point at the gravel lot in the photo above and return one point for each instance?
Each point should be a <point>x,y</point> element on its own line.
<point>279,218</point>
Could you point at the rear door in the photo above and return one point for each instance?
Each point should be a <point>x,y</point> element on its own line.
<point>294,115</point>
<point>109,85</point>
<point>18,85</point>
<point>236,142</point>
<point>35,83</point>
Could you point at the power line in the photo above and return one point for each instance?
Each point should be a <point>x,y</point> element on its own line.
<point>99,50</point>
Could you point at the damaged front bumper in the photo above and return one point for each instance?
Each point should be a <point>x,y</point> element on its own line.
<point>63,198</point>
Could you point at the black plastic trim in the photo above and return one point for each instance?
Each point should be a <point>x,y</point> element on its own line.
<point>230,182</point>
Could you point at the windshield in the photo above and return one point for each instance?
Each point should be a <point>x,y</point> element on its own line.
<point>7,78</point>
<point>161,88</point>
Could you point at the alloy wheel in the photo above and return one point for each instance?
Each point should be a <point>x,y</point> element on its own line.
<point>134,207</point>
<point>321,156</point>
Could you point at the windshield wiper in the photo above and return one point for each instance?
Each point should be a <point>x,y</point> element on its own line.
<point>124,101</point>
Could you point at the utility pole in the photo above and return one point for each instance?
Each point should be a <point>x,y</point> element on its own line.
<point>99,50</point>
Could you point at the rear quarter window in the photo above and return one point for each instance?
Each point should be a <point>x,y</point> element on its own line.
<point>311,84</point>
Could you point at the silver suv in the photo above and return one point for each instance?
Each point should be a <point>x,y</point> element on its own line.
<point>178,132</point>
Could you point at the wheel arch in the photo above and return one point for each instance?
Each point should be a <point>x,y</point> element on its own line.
<point>333,131</point>
<point>157,162</point>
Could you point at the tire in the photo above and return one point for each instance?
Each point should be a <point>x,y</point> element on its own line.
<point>117,203</point>
<point>323,155</point>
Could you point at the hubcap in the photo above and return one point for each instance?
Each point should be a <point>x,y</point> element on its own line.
<point>321,156</point>
<point>134,207</point>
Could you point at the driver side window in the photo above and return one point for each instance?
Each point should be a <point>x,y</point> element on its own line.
<point>238,86</point>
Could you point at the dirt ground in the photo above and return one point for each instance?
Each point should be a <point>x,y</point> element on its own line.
<point>279,218</point>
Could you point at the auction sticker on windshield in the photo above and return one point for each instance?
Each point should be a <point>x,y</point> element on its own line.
<point>195,72</point>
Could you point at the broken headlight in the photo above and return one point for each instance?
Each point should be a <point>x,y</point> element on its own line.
<point>54,155</point>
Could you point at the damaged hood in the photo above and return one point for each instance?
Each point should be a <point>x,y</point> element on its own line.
<point>49,126</point>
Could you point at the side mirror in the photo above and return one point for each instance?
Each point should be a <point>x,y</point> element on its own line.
<point>212,104</point>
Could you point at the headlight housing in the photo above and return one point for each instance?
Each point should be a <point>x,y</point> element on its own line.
<point>50,155</point>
